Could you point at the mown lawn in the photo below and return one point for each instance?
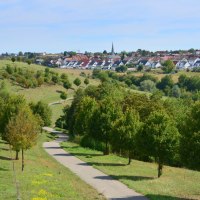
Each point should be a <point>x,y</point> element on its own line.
<point>175,183</point>
<point>43,179</point>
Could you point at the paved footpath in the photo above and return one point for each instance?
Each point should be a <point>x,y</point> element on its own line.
<point>104,184</point>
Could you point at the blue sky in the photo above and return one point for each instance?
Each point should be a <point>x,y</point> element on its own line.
<point>92,25</point>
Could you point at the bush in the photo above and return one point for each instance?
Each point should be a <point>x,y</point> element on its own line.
<point>83,74</point>
<point>122,68</point>
<point>77,82</point>
<point>86,81</point>
<point>63,95</point>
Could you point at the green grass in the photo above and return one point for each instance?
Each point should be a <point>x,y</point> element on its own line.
<point>57,111</point>
<point>44,178</point>
<point>175,183</point>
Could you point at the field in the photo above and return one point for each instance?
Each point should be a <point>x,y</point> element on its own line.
<point>175,183</point>
<point>43,178</point>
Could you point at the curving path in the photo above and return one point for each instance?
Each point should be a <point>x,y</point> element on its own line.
<point>104,184</point>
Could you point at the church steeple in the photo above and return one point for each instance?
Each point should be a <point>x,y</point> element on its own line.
<point>113,51</point>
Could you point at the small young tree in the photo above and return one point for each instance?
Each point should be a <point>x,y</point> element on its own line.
<point>29,61</point>
<point>77,82</point>
<point>168,66</point>
<point>86,81</point>
<point>22,131</point>
<point>159,138</point>
<point>122,68</point>
<point>140,68</point>
<point>13,59</point>
<point>67,85</point>
<point>63,95</point>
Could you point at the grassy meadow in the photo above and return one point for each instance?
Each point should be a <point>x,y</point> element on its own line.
<point>174,184</point>
<point>43,178</point>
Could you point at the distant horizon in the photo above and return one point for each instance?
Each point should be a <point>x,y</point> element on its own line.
<point>87,25</point>
<point>108,51</point>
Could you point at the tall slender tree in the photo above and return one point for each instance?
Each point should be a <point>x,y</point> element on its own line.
<point>22,131</point>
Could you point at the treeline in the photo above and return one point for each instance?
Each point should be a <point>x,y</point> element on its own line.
<point>20,122</point>
<point>186,87</point>
<point>28,78</point>
<point>111,119</point>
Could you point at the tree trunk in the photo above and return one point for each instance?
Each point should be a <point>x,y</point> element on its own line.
<point>160,167</point>
<point>129,158</point>
<point>106,152</point>
<point>22,159</point>
<point>17,155</point>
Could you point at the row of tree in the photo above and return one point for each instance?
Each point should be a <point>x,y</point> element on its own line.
<point>109,118</point>
<point>186,87</point>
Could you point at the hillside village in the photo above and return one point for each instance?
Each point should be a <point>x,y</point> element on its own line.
<point>110,61</point>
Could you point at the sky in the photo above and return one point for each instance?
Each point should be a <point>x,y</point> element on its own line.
<point>92,25</point>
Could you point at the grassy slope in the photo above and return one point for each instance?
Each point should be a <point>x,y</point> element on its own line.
<point>175,183</point>
<point>43,178</point>
<point>46,93</point>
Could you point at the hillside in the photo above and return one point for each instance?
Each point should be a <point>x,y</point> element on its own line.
<point>47,93</point>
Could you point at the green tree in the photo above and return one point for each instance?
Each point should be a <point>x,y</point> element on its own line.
<point>67,85</point>
<point>148,86</point>
<point>122,68</point>
<point>105,52</point>
<point>83,115</point>
<point>124,132</point>
<point>29,61</point>
<point>86,81</point>
<point>140,68</point>
<point>13,59</point>
<point>190,138</point>
<point>168,66</point>
<point>9,107</point>
<point>159,138</point>
<point>166,84</point>
<point>107,113</point>
<point>65,53</point>
<point>77,82</point>
<point>55,78</point>
<point>176,92</point>
<point>43,110</point>
<point>64,77</point>
<point>22,131</point>
<point>63,95</point>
